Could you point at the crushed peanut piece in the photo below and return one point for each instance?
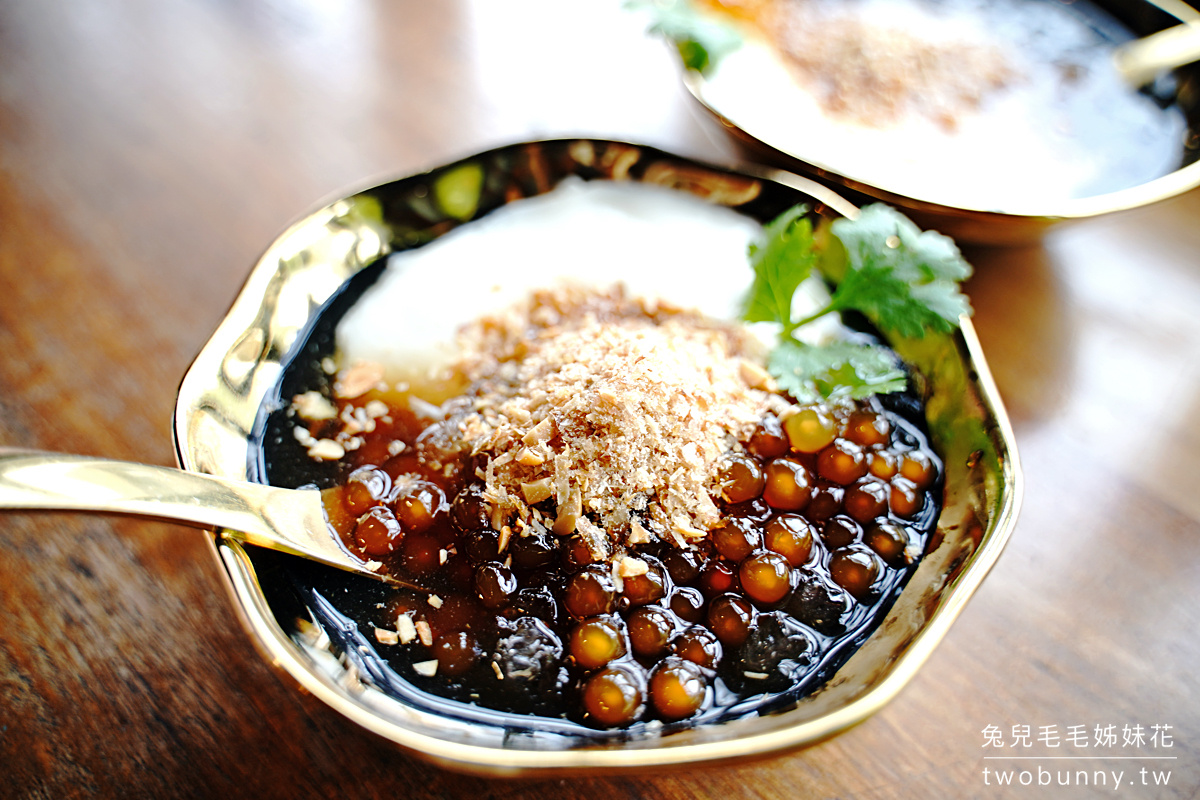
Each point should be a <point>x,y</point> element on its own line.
<point>406,629</point>
<point>638,533</point>
<point>313,406</point>
<point>530,457</point>
<point>358,379</point>
<point>539,433</point>
<point>537,491</point>
<point>756,376</point>
<point>426,668</point>
<point>629,567</point>
<point>326,450</point>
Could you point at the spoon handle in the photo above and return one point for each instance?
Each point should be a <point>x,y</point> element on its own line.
<point>1141,60</point>
<point>289,520</point>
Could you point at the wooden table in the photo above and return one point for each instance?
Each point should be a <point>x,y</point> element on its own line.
<point>150,149</point>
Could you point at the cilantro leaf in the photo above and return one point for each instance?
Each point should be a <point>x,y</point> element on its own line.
<point>782,260</point>
<point>904,279</point>
<point>838,369</point>
<point>701,39</point>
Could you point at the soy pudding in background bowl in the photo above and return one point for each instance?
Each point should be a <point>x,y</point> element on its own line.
<point>990,122</point>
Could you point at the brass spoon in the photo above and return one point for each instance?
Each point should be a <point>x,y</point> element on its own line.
<point>1142,60</point>
<point>289,520</point>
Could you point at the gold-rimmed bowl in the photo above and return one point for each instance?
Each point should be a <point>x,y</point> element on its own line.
<point>235,381</point>
<point>1004,221</point>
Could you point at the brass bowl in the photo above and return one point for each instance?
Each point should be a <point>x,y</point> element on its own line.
<point>994,224</point>
<point>235,377</point>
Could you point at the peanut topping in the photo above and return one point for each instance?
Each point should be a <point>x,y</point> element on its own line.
<point>630,406</point>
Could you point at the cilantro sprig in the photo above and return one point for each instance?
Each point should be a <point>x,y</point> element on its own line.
<point>701,39</point>
<point>905,281</point>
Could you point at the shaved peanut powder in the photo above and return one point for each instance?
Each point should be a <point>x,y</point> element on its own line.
<point>618,408</point>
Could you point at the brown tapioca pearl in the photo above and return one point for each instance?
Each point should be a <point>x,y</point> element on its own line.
<point>842,462</point>
<point>575,553</point>
<point>789,485</point>
<point>729,617</point>
<point>736,538</point>
<point>366,487</point>
<point>768,440</point>
<point>683,565</point>
<point>373,451</point>
<point>756,510</point>
<point>458,573</point>
<point>883,464</point>
<point>532,551</point>
<point>765,577</point>
<point>775,647</point>
<point>456,653</point>
<point>866,499</point>
<point>649,587</point>
<point>677,688</point>
<point>698,645</point>
<point>421,553</point>
<point>441,450</point>
<point>469,511</point>
<point>597,641</point>
<point>613,696</point>
<point>650,629</point>
<point>527,655</point>
<point>339,518</point>
<point>740,478</point>
<point>904,498</point>
<point>810,430</point>
<point>687,603</point>
<point>418,504</point>
<point>480,545</point>
<point>819,603</point>
<point>405,464</point>
<point>826,500</point>
<point>533,601</point>
<point>495,585</point>
<point>918,467</point>
<point>716,578</point>
<point>790,535</point>
<point>453,612</point>
<point>855,569</point>
<point>868,428</point>
<point>888,540</point>
<point>378,533</point>
<point>840,531</point>
<point>591,592</point>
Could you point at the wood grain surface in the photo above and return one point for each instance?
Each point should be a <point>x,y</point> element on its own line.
<point>149,151</point>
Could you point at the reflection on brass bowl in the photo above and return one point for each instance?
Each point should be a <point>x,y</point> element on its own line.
<point>973,216</point>
<point>224,392</point>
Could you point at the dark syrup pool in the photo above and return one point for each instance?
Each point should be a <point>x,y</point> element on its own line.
<point>348,608</point>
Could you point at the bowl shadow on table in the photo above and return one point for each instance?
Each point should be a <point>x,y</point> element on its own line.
<point>1020,315</point>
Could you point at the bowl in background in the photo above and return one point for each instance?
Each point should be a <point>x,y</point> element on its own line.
<point>970,216</point>
<point>237,376</point>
